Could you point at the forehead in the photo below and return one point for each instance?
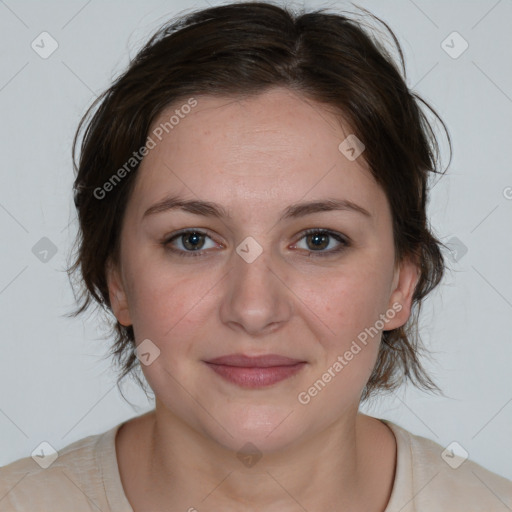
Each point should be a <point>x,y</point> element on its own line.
<point>253,154</point>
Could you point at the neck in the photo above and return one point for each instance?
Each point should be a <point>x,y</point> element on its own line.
<point>339,465</point>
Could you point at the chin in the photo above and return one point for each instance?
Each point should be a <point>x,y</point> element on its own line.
<point>268,428</point>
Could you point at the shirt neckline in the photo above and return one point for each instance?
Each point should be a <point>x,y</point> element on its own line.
<point>402,491</point>
<point>109,469</point>
<point>118,502</point>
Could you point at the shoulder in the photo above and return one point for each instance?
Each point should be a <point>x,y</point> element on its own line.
<point>431,475</point>
<point>70,478</point>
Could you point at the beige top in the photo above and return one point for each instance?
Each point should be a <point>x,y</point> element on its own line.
<point>85,478</point>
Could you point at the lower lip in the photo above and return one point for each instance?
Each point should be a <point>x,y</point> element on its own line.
<point>255,377</point>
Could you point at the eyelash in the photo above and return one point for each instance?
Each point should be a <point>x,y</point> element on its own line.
<point>322,254</point>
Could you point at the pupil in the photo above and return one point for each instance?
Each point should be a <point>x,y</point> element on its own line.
<point>195,236</point>
<point>318,238</point>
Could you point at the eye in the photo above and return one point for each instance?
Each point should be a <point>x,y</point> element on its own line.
<point>192,242</point>
<point>318,239</point>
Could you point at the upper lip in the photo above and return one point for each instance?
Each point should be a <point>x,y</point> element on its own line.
<point>263,361</point>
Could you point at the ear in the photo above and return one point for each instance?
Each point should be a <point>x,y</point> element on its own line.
<point>406,276</point>
<point>117,294</point>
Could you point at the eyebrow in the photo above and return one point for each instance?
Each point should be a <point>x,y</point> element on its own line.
<point>209,209</point>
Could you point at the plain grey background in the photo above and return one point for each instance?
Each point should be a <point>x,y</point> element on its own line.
<point>56,385</point>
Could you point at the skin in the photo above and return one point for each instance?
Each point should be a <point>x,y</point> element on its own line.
<point>256,157</point>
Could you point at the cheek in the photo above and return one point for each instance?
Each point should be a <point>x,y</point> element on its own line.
<point>167,311</point>
<point>353,308</point>
<point>352,298</point>
<point>163,305</point>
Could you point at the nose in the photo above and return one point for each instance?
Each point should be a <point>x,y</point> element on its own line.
<point>257,301</point>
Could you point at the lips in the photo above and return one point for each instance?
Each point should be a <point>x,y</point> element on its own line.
<point>257,371</point>
<point>264,361</point>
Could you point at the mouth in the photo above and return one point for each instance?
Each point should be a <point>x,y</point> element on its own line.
<point>255,372</point>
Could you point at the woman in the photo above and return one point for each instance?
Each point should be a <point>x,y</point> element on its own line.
<point>252,200</point>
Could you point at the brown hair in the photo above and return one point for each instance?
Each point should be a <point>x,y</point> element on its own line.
<point>240,50</point>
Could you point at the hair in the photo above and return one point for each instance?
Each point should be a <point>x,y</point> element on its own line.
<point>240,50</point>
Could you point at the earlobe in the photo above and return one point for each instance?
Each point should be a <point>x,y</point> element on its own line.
<point>117,295</point>
<point>404,284</point>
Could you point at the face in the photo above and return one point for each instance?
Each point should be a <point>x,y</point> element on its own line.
<point>261,276</point>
